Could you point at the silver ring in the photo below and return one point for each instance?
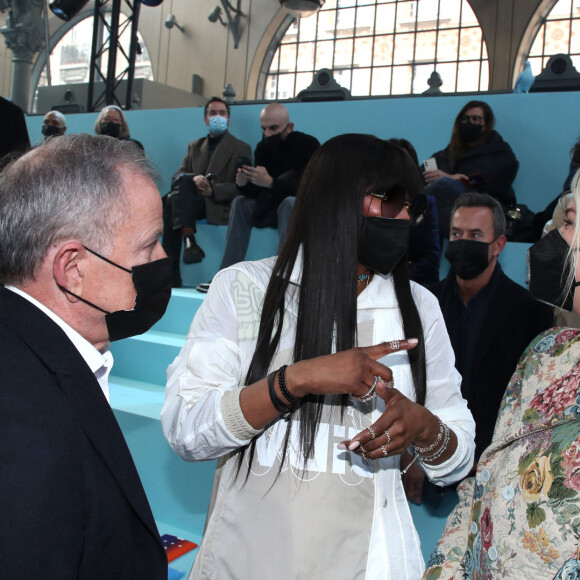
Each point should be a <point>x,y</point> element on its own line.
<point>390,384</point>
<point>370,392</point>
<point>363,450</point>
<point>388,437</point>
<point>394,344</point>
<point>372,432</point>
<point>385,452</point>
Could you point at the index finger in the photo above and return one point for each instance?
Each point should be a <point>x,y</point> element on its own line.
<point>380,350</point>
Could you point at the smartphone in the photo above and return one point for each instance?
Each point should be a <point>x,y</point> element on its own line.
<point>430,164</point>
<point>210,177</point>
<point>243,161</point>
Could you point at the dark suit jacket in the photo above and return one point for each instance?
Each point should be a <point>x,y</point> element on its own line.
<point>14,135</point>
<point>223,164</point>
<point>71,502</point>
<point>514,319</point>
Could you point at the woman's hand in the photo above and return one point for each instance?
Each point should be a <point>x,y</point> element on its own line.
<point>403,423</point>
<point>349,372</point>
<point>431,176</point>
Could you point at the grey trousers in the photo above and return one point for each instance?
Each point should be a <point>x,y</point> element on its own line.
<point>240,228</point>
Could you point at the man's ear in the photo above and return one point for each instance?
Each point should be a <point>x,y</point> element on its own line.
<point>290,127</point>
<point>501,242</point>
<point>68,268</point>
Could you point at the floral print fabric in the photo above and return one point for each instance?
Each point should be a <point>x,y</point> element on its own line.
<point>519,517</point>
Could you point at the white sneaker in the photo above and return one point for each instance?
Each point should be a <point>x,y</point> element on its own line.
<point>204,287</point>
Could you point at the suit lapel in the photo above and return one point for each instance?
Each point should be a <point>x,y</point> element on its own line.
<point>83,393</point>
<point>221,155</point>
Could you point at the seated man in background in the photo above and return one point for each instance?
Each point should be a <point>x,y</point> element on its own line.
<point>490,318</point>
<point>54,124</point>
<point>268,189</point>
<point>203,186</point>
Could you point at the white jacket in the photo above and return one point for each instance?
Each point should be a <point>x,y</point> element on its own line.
<point>341,517</point>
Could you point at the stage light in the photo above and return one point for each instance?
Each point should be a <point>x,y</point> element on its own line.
<point>66,9</point>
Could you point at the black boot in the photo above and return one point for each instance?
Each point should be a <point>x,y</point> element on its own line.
<point>192,253</point>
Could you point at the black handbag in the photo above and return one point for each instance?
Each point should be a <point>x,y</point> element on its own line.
<point>521,224</point>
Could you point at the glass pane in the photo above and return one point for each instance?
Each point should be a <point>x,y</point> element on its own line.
<point>361,82</point>
<point>365,20</point>
<point>403,48</point>
<point>402,79</point>
<point>346,3</point>
<point>308,29</point>
<point>561,9</point>
<point>324,54</point>
<point>536,65</point>
<point>326,22</point>
<point>470,43</point>
<point>271,84</point>
<point>449,15</point>
<point>343,52</point>
<point>406,14</point>
<point>285,86</point>
<point>421,75</point>
<point>303,81</point>
<point>305,56</point>
<point>425,46</point>
<point>575,40</point>
<point>345,22</point>
<point>288,57</point>
<point>557,35</point>
<point>538,42</point>
<point>383,50</point>
<point>447,45</point>
<point>343,77</point>
<point>447,72</point>
<point>468,17</point>
<point>381,82</point>
<point>291,33</point>
<point>385,19</point>
<point>363,52</point>
<point>468,76</point>
<point>484,82</point>
<point>275,61</point>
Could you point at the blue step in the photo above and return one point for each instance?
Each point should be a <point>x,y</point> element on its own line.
<point>180,311</point>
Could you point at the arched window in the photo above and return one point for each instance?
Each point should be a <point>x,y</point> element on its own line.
<point>559,32</point>
<point>381,47</point>
<point>70,57</point>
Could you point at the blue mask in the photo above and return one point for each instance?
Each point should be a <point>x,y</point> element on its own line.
<point>218,124</point>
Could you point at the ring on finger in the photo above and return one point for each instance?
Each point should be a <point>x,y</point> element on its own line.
<point>372,432</point>
<point>388,437</point>
<point>389,384</point>
<point>363,450</point>
<point>370,392</point>
<point>394,344</point>
<point>385,452</point>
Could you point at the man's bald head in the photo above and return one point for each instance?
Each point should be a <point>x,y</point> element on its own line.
<point>275,120</point>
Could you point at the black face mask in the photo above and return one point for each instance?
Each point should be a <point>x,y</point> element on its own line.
<point>111,129</point>
<point>50,130</point>
<point>383,243</point>
<point>547,271</point>
<point>275,141</point>
<point>469,131</point>
<point>469,258</point>
<point>152,282</point>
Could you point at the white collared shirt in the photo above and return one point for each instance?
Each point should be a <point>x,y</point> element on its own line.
<point>100,363</point>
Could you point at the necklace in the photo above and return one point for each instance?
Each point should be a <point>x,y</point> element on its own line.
<point>365,276</point>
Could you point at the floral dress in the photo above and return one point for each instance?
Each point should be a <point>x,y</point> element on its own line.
<point>519,517</point>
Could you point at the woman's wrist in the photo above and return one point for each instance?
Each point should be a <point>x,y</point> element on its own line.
<point>294,380</point>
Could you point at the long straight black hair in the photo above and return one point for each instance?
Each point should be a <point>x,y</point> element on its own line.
<point>326,226</point>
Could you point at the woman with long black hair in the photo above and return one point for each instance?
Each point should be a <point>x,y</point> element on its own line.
<point>308,482</point>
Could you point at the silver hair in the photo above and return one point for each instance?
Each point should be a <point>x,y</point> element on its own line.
<point>61,118</point>
<point>124,131</point>
<point>66,188</point>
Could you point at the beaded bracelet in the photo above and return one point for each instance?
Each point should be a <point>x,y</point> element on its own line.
<point>283,409</point>
<point>440,451</point>
<point>424,450</point>
<point>282,384</point>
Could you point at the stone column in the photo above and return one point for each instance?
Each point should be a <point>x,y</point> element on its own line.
<point>24,35</point>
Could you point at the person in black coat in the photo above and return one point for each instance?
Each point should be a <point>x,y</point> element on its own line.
<point>476,159</point>
<point>490,319</point>
<point>80,218</point>
<point>14,138</point>
<point>269,187</point>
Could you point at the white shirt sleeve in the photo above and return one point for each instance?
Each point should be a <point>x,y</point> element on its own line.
<point>201,417</point>
<point>444,397</point>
